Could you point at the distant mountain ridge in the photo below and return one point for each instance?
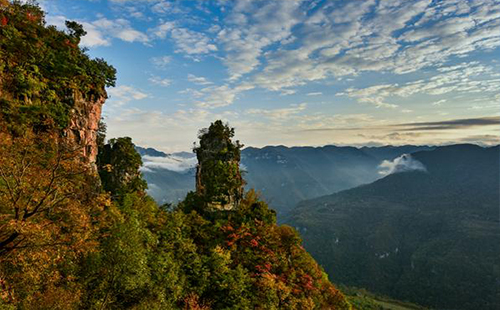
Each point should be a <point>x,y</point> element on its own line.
<point>431,237</point>
<point>284,175</point>
<point>150,152</point>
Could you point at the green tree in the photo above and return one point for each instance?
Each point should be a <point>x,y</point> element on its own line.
<point>44,72</point>
<point>218,177</point>
<point>118,164</point>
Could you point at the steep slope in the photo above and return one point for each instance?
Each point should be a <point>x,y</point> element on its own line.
<point>48,83</point>
<point>51,93</point>
<point>304,172</point>
<point>431,237</point>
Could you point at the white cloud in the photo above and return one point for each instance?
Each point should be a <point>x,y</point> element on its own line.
<point>160,81</point>
<point>162,7</point>
<point>220,96</point>
<point>251,27</point>
<point>192,42</point>
<point>121,95</point>
<point>278,114</point>
<point>287,92</point>
<point>93,38</point>
<point>347,38</point>
<point>121,29</point>
<point>199,80</point>
<point>464,78</point>
<point>187,41</point>
<point>375,95</point>
<point>314,94</point>
<point>439,102</point>
<point>101,31</point>
<point>170,162</point>
<point>161,61</point>
<point>163,29</point>
<point>403,163</point>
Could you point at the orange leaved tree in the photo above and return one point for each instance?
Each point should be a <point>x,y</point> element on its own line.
<point>46,208</point>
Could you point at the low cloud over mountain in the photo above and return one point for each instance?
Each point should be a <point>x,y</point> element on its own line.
<point>402,163</point>
<point>170,162</point>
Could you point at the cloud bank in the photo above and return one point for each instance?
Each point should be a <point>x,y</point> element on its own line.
<point>170,162</point>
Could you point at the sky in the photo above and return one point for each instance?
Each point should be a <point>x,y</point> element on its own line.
<point>296,72</point>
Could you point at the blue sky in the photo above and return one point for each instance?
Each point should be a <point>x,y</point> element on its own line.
<point>297,72</point>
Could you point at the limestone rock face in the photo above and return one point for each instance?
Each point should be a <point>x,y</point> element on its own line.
<point>229,198</point>
<point>84,125</point>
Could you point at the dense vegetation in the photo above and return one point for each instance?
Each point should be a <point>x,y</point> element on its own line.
<point>71,238</point>
<point>429,237</point>
<point>218,177</point>
<point>43,71</point>
<point>119,250</point>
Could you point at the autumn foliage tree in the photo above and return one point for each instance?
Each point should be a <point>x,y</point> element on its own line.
<point>47,198</point>
<point>119,164</point>
<point>48,195</point>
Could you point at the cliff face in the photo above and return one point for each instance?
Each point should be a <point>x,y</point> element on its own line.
<point>47,82</point>
<point>84,125</point>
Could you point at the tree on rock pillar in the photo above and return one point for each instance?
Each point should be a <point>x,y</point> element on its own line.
<point>218,178</point>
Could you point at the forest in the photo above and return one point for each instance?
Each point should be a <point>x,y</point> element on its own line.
<point>79,231</point>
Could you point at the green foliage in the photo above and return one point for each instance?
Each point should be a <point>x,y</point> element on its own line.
<point>118,163</point>
<point>147,257</point>
<point>69,244</point>
<point>119,275</point>
<point>43,71</point>
<point>431,238</point>
<point>187,258</point>
<point>75,30</point>
<point>218,178</point>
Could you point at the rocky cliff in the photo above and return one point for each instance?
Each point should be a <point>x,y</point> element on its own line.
<point>84,125</point>
<point>48,83</point>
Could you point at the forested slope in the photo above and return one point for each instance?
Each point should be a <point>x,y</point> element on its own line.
<point>431,237</point>
<point>77,229</point>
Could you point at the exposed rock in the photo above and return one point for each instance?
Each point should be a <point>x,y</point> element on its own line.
<point>84,125</point>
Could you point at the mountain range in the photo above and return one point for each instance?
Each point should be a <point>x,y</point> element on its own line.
<point>429,235</point>
<point>283,175</point>
<point>415,223</point>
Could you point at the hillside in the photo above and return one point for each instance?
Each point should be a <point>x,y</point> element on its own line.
<point>431,237</point>
<point>77,228</point>
<point>304,172</point>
